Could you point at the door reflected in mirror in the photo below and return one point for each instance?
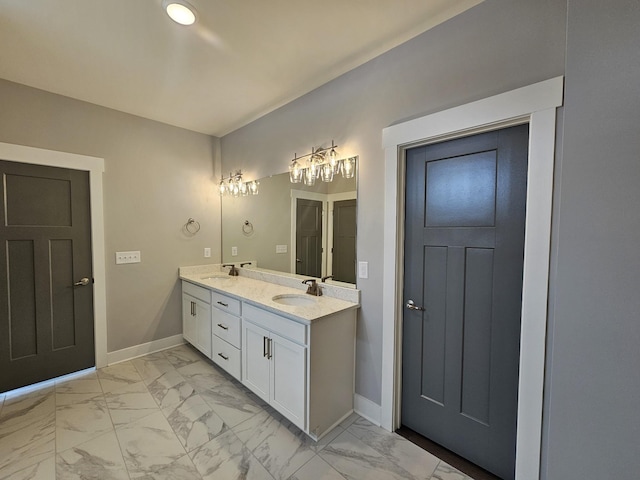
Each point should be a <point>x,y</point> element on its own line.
<point>297,229</point>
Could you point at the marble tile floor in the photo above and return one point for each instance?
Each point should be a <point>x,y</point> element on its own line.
<point>174,415</point>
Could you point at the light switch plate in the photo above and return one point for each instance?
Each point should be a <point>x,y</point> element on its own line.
<point>234,251</point>
<point>128,257</point>
<point>207,252</point>
<point>281,249</point>
<point>363,269</point>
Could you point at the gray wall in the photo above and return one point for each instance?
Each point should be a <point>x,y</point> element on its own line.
<point>494,47</point>
<point>156,177</point>
<point>593,425</point>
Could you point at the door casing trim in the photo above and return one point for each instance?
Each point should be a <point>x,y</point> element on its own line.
<point>536,105</point>
<point>95,167</point>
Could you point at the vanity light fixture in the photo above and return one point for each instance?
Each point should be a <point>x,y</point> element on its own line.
<point>235,186</point>
<point>323,162</point>
<point>180,11</point>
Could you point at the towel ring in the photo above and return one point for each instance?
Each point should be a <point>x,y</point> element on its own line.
<point>247,227</point>
<point>192,226</point>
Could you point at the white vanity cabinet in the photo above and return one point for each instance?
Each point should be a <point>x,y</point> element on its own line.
<point>226,335</point>
<point>196,317</point>
<point>274,366</point>
<point>303,370</point>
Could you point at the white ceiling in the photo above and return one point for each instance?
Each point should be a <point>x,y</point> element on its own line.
<point>241,60</point>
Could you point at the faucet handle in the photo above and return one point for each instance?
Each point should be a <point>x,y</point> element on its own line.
<point>233,271</point>
<point>314,288</point>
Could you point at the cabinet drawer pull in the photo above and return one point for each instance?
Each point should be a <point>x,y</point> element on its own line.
<point>223,304</point>
<point>223,356</point>
<point>264,346</point>
<point>224,327</point>
<point>193,309</point>
<point>270,353</point>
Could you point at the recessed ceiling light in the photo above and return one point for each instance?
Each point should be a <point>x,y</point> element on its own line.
<point>180,12</point>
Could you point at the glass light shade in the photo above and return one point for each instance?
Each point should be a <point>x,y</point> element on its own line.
<point>181,13</point>
<point>295,172</point>
<point>244,189</point>
<point>348,167</point>
<point>253,187</point>
<point>222,188</point>
<point>309,177</point>
<point>332,159</point>
<point>326,172</point>
<point>234,188</point>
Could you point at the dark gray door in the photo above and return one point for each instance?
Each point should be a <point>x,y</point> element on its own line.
<point>46,320</point>
<point>343,267</point>
<point>309,237</point>
<point>464,251</point>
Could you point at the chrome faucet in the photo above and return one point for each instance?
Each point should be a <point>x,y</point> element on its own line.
<point>313,288</point>
<point>233,271</point>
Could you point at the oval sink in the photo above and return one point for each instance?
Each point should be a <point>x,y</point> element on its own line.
<point>219,277</point>
<point>293,299</point>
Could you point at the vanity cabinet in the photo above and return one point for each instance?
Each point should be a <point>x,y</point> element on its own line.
<point>303,370</point>
<point>196,317</point>
<point>300,360</point>
<point>275,367</point>
<point>226,334</point>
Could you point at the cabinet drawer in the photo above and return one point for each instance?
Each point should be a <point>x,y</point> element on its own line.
<point>226,326</point>
<point>227,356</point>
<point>281,325</point>
<point>196,291</point>
<point>225,303</point>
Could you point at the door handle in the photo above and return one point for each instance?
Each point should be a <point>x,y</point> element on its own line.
<point>412,306</point>
<point>83,282</point>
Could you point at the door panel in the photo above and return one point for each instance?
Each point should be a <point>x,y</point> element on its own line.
<point>255,364</point>
<point>309,237</point>
<point>464,249</point>
<point>288,373</point>
<point>343,267</point>
<point>46,322</point>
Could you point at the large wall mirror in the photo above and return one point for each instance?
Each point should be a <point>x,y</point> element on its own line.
<point>295,228</point>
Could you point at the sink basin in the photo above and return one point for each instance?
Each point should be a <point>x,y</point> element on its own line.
<point>295,300</point>
<point>218,277</point>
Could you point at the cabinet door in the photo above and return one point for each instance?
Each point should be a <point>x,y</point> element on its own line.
<point>203,327</point>
<point>288,379</point>
<point>255,364</point>
<point>189,319</point>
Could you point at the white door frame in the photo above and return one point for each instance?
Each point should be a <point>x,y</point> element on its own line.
<point>536,105</point>
<point>95,167</point>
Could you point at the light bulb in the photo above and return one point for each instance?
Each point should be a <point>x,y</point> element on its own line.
<point>181,13</point>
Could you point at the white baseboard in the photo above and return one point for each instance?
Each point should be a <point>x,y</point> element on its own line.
<point>144,349</point>
<point>367,409</point>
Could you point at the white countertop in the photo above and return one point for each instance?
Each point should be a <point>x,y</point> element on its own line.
<point>261,293</point>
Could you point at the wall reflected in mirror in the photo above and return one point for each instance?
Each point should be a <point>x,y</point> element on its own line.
<point>296,229</point>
